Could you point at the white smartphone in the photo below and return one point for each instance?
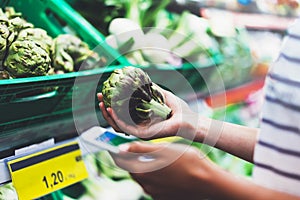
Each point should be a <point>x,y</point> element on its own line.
<point>105,138</point>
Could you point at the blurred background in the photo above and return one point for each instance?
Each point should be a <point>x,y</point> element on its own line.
<point>222,48</point>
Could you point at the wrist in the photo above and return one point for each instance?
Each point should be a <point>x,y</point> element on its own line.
<point>189,127</point>
<point>198,128</point>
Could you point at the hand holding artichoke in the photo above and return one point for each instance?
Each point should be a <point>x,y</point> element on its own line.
<point>134,97</point>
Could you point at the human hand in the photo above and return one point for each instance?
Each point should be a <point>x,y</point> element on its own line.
<point>176,171</point>
<point>181,123</point>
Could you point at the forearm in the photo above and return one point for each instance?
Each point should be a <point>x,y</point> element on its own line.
<point>231,187</point>
<point>234,139</point>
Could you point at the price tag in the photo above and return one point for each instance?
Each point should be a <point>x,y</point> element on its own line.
<point>46,171</point>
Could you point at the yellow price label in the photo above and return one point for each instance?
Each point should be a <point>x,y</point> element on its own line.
<point>46,171</point>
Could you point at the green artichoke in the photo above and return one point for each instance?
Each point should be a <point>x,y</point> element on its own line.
<point>11,24</point>
<point>27,58</point>
<point>39,36</point>
<point>134,97</point>
<point>11,13</point>
<point>6,36</point>
<point>17,22</point>
<point>70,52</point>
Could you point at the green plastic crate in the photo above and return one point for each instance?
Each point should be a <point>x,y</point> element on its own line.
<point>49,114</point>
<point>45,105</point>
<point>58,17</point>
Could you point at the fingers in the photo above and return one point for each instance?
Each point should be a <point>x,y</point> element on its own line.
<point>121,124</point>
<point>106,114</point>
<point>150,131</point>
<point>141,157</point>
<point>112,119</point>
<point>147,132</point>
<point>100,97</point>
<point>141,147</point>
<point>138,162</point>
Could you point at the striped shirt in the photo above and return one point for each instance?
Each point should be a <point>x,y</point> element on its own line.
<point>277,153</point>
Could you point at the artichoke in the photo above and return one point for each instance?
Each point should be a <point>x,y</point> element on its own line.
<point>6,36</point>
<point>38,35</point>
<point>70,52</point>
<point>11,13</point>
<point>11,24</point>
<point>17,22</point>
<point>134,97</point>
<point>27,58</point>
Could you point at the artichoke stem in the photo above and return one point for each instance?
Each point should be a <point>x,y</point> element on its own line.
<point>158,109</point>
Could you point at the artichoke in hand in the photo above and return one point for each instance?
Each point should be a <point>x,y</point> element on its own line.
<point>134,97</point>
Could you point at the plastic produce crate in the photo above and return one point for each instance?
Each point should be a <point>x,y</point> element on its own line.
<point>36,108</point>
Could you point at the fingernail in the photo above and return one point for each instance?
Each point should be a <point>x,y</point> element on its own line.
<point>124,147</point>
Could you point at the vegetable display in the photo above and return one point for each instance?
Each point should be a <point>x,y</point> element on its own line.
<point>37,35</point>
<point>146,33</point>
<point>70,54</point>
<point>26,58</point>
<point>27,51</point>
<point>189,41</point>
<point>161,35</point>
<point>134,97</point>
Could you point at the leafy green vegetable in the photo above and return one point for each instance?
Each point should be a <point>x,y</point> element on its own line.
<point>107,167</point>
<point>7,191</point>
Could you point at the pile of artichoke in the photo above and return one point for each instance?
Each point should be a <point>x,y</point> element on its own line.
<point>134,97</point>
<point>27,51</point>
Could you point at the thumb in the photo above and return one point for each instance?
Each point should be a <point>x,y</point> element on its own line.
<point>140,147</point>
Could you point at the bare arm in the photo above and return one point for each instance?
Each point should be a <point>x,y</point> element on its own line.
<point>236,188</point>
<point>183,172</point>
<point>232,138</point>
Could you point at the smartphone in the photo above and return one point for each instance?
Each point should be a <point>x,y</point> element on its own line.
<point>105,138</point>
